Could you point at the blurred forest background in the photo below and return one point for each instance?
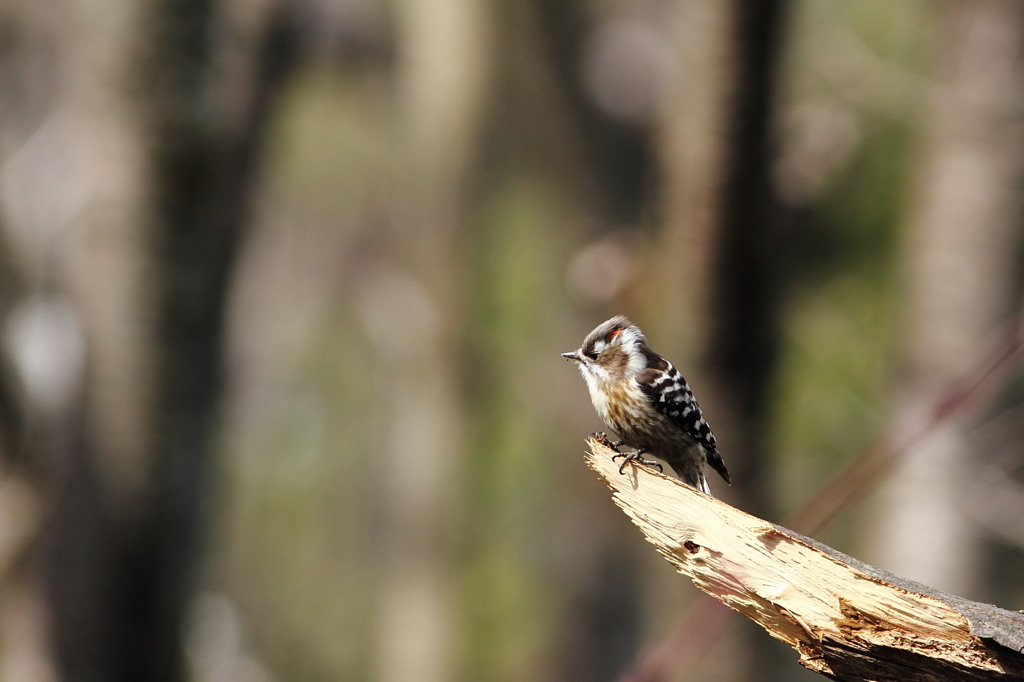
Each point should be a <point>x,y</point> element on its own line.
<point>284,284</point>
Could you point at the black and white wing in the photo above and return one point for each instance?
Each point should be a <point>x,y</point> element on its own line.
<point>669,393</point>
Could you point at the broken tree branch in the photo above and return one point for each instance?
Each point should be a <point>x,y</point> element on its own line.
<point>847,620</point>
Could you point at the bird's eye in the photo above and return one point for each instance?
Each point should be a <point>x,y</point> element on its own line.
<point>592,354</point>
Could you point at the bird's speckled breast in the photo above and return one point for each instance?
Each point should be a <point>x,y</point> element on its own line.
<point>627,411</point>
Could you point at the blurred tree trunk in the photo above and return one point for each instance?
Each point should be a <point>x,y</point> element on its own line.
<point>419,303</point>
<point>611,160</point>
<point>693,155</point>
<point>720,275</point>
<point>119,578</point>
<point>747,275</point>
<point>720,282</point>
<point>959,277</point>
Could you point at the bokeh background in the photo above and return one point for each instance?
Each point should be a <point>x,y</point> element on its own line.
<point>284,284</point>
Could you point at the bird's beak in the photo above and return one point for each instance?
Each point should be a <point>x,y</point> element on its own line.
<point>573,355</point>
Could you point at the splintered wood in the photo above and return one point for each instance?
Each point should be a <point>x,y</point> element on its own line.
<point>846,619</point>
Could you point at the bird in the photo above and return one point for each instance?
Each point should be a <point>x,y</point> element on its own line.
<point>644,399</point>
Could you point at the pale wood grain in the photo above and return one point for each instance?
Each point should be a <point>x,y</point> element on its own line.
<point>847,620</point>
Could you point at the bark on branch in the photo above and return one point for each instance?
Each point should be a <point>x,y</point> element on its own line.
<point>847,620</point>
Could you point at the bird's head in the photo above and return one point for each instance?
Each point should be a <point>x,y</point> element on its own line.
<point>614,351</point>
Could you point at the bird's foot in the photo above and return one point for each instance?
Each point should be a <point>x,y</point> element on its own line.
<point>636,456</point>
<point>602,438</point>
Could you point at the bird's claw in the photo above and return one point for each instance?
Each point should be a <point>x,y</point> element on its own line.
<point>627,457</point>
<point>638,457</point>
<point>602,438</point>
